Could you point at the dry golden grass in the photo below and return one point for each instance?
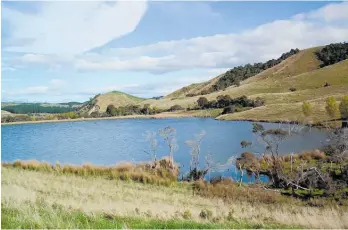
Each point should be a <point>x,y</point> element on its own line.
<point>117,99</point>
<point>300,71</point>
<point>281,112</point>
<point>98,195</point>
<point>144,173</point>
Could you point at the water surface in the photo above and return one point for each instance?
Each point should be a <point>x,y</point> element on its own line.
<point>107,142</point>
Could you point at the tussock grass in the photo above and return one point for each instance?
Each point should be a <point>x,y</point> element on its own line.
<point>230,191</point>
<point>33,197</point>
<point>143,173</point>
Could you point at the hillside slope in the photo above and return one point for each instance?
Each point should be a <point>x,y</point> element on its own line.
<point>116,98</point>
<point>301,72</point>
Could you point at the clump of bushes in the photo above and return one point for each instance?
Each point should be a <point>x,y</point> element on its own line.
<point>175,108</point>
<point>230,105</point>
<point>111,110</point>
<point>16,118</point>
<point>332,53</point>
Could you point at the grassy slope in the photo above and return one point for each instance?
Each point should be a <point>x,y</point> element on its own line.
<point>40,200</point>
<point>117,99</point>
<point>300,71</point>
<point>193,88</point>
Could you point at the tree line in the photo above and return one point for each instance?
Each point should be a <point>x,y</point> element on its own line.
<point>230,105</point>
<point>332,53</point>
<point>38,108</point>
<point>237,74</point>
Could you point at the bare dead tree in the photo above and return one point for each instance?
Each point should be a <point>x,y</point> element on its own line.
<point>195,149</point>
<point>169,136</point>
<point>151,138</point>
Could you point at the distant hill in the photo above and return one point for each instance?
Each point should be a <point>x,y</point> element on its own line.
<point>101,101</point>
<point>26,108</point>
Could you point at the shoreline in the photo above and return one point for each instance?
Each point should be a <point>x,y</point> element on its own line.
<point>158,116</point>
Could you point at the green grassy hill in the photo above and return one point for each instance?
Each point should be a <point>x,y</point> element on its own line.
<point>301,71</point>
<point>115,98</point>
<point>283,87</point>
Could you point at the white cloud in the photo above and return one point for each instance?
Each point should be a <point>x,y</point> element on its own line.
<point>332,12</point>
<point>71,27</point>
<point>226,50</point>
<point>55,86</point>
<point>323,26</point>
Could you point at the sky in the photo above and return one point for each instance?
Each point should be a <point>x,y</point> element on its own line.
<point>71,51</point>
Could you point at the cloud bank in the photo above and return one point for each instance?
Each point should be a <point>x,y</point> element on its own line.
<point>71,27</point>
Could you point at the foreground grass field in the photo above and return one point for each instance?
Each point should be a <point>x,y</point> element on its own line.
<point>33,199</point>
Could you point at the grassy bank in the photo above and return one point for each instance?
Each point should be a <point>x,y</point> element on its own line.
<point>34,199</point>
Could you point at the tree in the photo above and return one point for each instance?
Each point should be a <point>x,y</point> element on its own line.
<point>224,100</point>
<point>168,134</point>
<point>307,108</point>
<point>344,107</point>
<point>111,110</point>
<point>202,102</point>
<point>151,138</point>
<point>146,109</point>
<point>332,107</point>
<point>195,149</point>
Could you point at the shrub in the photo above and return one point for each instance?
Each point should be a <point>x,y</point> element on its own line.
<point>206,214</point>
<point>202,102</point>
<point>316,155</point>
<point>175,108</point>
<point>307,108</point>
<point>344,107</point>
<point>331,107</point>
<point>229,109</point>
<point>187,214</point>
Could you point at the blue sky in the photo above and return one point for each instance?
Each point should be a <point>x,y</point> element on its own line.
<point>70,51</point>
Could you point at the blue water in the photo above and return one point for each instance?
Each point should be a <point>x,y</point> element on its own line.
<point>107,142</point>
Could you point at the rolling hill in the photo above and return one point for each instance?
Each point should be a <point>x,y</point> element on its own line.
<point>284,87</point>
<point>100,102</point>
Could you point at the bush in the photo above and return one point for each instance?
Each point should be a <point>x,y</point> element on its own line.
<point>344,107</point>
<point>187,214</point>
<point>332,54</point>
<point>206,214</point>
<point>229,109</point>
<point>202,102</point>
<point>175,108</point>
